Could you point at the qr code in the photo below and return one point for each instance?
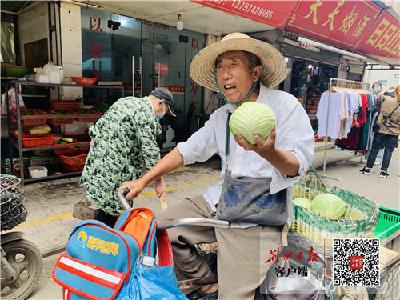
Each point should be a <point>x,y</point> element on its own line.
<point>356,262</point>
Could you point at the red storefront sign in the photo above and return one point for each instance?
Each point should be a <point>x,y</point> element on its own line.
<point>383,38</point>
<point>356,25</point>
<point>338,22</point>
<point>274,13</point>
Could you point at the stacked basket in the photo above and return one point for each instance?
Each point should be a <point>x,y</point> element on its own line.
<point>310,228</point>
<point>13,211</point>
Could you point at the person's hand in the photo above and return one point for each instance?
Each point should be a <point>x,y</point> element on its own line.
<point>160,188</point>
<point>264,148</point>
<point>135,188</point>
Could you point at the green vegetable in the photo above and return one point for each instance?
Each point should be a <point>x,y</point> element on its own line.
<point>68,140</point>
<point>329,206</point>
<point>303,202</point>
<point>252,118</point>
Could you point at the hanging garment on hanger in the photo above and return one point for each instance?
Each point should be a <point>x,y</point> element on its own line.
<point>352,140</point>
<point>329,103</point>
<point>352,103</point>
<point>365,107</point>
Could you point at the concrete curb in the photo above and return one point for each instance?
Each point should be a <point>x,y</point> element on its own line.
<point>55,250</point>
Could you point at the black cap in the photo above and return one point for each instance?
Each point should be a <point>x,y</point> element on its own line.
<point>166,95</point>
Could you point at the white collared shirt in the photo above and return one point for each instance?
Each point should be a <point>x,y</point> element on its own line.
<point>293,132</point>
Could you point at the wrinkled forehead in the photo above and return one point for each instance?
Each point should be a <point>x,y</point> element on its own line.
<point>231,55</point>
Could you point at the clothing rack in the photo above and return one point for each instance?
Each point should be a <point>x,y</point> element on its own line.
<point>338,84</point>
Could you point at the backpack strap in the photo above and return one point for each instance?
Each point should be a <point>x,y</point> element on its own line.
<point>165,257</point>
<point>137,223</point>
<point>158,242</point>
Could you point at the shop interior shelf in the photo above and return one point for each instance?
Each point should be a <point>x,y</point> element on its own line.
<point>15,119</point>
<point>55,176</point>
<point>60,116</point>
<point>33,96</point>
<point>54,147</point>
<point>71,85</point>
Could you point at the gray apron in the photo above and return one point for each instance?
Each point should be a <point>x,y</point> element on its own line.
<point>246,199</point>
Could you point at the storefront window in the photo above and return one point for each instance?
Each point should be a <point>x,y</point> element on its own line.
<point>144,55</point>
<point>309,80</point>
<point>166,60</point>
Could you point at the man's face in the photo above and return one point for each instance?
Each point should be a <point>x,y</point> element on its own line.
<point>161,107</point>
<point>234,76</point>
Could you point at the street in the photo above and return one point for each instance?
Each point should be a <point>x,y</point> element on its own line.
<point>50,208</point>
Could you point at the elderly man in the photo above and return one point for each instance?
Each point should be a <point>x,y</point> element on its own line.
<point>123,145</point>
<point>240,69</point>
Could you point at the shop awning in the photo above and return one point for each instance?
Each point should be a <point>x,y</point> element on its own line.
<point>367,27</point>
<point>363,26</point>
<point>196,17</point>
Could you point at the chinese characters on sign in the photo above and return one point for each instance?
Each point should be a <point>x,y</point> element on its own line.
<point>274,13</point>
<point>95,24</point>
<point>358,25</point>
<point>337,22</point>
<point>384,38</point>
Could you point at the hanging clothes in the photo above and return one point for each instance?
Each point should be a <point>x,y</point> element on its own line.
<point>334,111</point>
<point>365,107</point>
<point>358,137</point>
<point>353,104</point>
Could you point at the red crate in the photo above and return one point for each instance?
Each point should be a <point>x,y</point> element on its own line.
<point>89,118</point>
<point>61,121</point>
<point>28,135</point>
<point>39,142</point>
<point>72,149</point>
<point>32,117</point>
<point>65,105</point>
<point>35,114</point>
<point>73,163</point>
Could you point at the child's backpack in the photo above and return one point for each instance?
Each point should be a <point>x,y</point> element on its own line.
<point>105,263</point>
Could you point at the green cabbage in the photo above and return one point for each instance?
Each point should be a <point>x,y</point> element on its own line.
<point>303,202</point>
<point>329,206</point>
<point>252,118</point>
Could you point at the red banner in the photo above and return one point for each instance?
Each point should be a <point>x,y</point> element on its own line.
<point>338,22</point>
<point>348,24</point>
<point>273,13</point>
<point>383,38</point>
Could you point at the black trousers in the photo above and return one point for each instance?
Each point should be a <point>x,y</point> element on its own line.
<point>381,140</point>
<point>106,218</point>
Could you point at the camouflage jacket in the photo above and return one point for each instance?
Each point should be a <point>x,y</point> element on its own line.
<point>124,144</point>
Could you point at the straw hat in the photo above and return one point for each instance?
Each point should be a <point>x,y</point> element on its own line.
<point>274,65</point>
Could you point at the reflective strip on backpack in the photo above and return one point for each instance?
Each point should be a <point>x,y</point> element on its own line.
<point>110,279</point>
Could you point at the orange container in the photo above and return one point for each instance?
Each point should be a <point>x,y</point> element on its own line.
<point>72,149</point>
<point>38,142</point>
<point>61,121</point>
<point>36,113</point>
<point>73,163</point>
<point>85,80</point>
<point>65,105</point>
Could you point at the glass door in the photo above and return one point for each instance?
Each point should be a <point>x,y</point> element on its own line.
<point>166,67</point>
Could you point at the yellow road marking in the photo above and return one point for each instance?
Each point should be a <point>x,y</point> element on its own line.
<point>68,214</point>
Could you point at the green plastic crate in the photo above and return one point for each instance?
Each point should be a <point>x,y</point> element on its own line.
<point>388,223</point>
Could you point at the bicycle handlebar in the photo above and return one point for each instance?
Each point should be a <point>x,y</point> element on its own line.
<point>122,197</point>
<point>189,221</point>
